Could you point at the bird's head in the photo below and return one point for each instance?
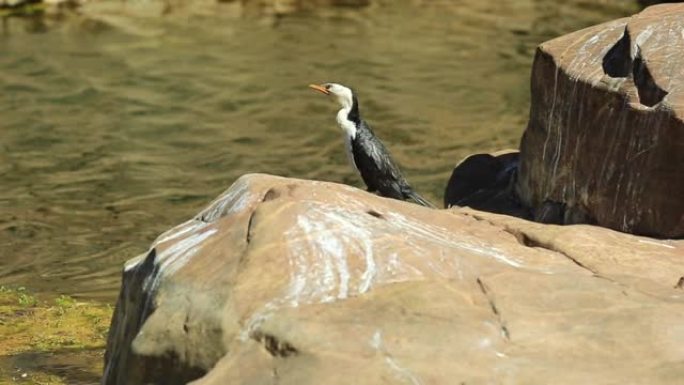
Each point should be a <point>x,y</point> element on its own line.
<point>343,95</point>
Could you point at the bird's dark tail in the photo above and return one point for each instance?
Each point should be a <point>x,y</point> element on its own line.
<point>414,196</point>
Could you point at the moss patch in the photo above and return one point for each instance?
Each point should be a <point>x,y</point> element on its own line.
<point>28,324</point>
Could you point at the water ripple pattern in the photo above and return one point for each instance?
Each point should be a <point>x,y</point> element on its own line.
<point>113,128</point>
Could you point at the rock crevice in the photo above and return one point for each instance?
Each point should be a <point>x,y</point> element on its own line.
<point>492,304</point>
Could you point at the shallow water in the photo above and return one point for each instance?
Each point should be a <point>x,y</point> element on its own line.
<point>120,123</point>
<point>73,367</point>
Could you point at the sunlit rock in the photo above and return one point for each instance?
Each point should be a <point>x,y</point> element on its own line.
<point>605,141</point>
<point>289,281</point>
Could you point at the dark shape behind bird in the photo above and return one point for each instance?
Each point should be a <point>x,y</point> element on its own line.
<point>486,182</point>
<point>366,152</point>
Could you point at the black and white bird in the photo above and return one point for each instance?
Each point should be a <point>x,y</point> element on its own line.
<point>366,152</point>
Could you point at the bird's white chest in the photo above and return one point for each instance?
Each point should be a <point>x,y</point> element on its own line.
<point>349,129</point>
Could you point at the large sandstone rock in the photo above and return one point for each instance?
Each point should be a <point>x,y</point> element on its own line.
<point>605,140</point>
<point>298,282</point>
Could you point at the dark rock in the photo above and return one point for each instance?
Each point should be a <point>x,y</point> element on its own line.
<point>551,213</point>
<point>485,182</point>
<point>646,3</point>
<point>605,138</point>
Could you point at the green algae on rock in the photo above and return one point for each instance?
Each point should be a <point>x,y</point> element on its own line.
<point>29,324</point>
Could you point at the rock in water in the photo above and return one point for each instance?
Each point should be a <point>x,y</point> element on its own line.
<point>605,138</point>
<point>298,282</point>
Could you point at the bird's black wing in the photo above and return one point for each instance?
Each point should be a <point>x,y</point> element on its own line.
<point>376,166</point>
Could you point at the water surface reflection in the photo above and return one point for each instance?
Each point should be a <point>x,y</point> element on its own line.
<point>122,122</point>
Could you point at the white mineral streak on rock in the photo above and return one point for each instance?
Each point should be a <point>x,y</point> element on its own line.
<point>327,242</point>
<point>172,259</point>
<point>327,235</point>
<point>376,340</point>
<point>319,257</point>
<point>131,263</point>
<point>236,199</point>
<point>298,268</point>
<point>179,230</point>
<point>393,266</point>
<point>176,232</point>
<point>258,318</point>
<point>582,59</point>
<point>656,243</point>
<point>324,235</point>
<point>450,240</point>
<point>641,39</point>
<point>371,269</point>
<point>241,200</point>
<point>401,372</point>
<point>550,120</point>
<point>175,257</point>
<point>330,256</point>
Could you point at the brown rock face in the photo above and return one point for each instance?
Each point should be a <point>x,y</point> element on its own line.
<point>296,282</point>
<point>605,141</point>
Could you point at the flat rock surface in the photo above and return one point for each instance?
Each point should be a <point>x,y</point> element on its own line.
<point>606,131</point>
<point>297,282</point>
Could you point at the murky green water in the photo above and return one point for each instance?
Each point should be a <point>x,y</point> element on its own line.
<point>118,124</point>
<point>68,366</point>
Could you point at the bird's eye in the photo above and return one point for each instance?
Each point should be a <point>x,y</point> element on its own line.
<point>327,87</point>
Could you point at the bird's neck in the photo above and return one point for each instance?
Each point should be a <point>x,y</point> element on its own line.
<point>348,118</point>
<point>345,124</point>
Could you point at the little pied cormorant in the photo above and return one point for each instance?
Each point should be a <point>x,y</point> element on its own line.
<point>365,151</point>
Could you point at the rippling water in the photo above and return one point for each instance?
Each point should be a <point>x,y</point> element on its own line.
<point>117,124</point>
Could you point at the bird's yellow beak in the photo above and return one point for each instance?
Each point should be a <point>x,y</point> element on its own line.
<point>320,89</point>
